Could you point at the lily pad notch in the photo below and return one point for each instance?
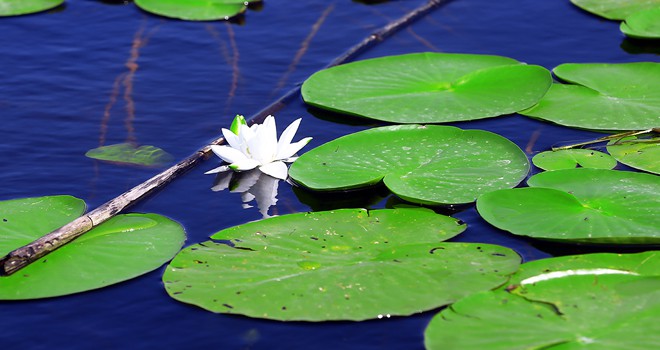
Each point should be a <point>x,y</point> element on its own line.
<point>337,265</point>
<point>590,206</point>
<point>424,164</point>
<point>428,87</point>
<point>600,301</point>
<point>602,96</point>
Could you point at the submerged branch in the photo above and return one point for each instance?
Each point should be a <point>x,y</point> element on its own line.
<point>108,107</point>
<point>304,47</point>
<point>23,256</point>
<point>235,70</point>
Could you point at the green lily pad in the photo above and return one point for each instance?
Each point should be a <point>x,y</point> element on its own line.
<point>423,164</point>
<point>571,158</point>
<point>643,154</point>
<point>18,218</point>
<point>428,87</point>
<point>124,247</point>
<point>127,153</point>
<point>348,264</point>
<point>579,205</point>
<point>602,311</point>
<point>195,10</point>
<point>640,264</point>
<point>643,24</point>
<point>23,7</point>
<point>615,9</point>
<point>623,96</point>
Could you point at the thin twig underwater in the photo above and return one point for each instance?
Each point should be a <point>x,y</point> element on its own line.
<point>125,79</point>
<point>231,60</point>
<point>304,46</point>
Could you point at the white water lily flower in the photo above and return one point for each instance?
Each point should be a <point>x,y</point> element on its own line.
<point>257,147</point>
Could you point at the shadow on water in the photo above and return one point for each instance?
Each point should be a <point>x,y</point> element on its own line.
<point>343,119</point>
<point>639,46</point>
<point>359,198</point>
<point>562,249</point>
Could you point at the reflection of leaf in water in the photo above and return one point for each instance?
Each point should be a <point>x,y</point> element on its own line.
<point>252,185</point>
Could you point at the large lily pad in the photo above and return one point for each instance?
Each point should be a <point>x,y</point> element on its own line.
<point>195,10</point>
<point>428,87</point>
<point>571,158</point>
<point>643,24</point>
<point>615,9</point>
<point>126,153</point>
<point>643,154</point>
<point>124,247</point>
<point>597,311</point>
<point>624,96</point>
<point>349,264</point>
<point>424,164</point>
<point>579,205</point>
<point>23,7</point>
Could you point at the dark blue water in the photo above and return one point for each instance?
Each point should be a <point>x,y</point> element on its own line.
<point>185,81</point>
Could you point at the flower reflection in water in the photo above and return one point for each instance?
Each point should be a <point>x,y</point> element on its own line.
<point>253,185</point>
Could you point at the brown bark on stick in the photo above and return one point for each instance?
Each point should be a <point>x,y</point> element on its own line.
<point>23,256</point>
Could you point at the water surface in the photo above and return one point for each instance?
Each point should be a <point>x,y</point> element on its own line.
<point>91,73</point>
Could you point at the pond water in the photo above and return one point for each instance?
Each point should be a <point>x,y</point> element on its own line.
<point>96,73</point>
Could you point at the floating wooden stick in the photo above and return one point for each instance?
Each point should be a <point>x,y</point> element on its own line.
<point>23,256</point>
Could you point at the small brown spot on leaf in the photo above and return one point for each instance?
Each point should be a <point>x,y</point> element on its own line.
<point>432,251</point>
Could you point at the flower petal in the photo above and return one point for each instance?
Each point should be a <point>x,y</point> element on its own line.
<point>246,133</point>
<point>244,164</point>
<point>277,170</point>
<point>228,154</point>
<point>288,134</point>
<point>217,170</point>
<point>263,147</point>
<point>232,139</point>
<point>292,149</point>
<point>289,160</point>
